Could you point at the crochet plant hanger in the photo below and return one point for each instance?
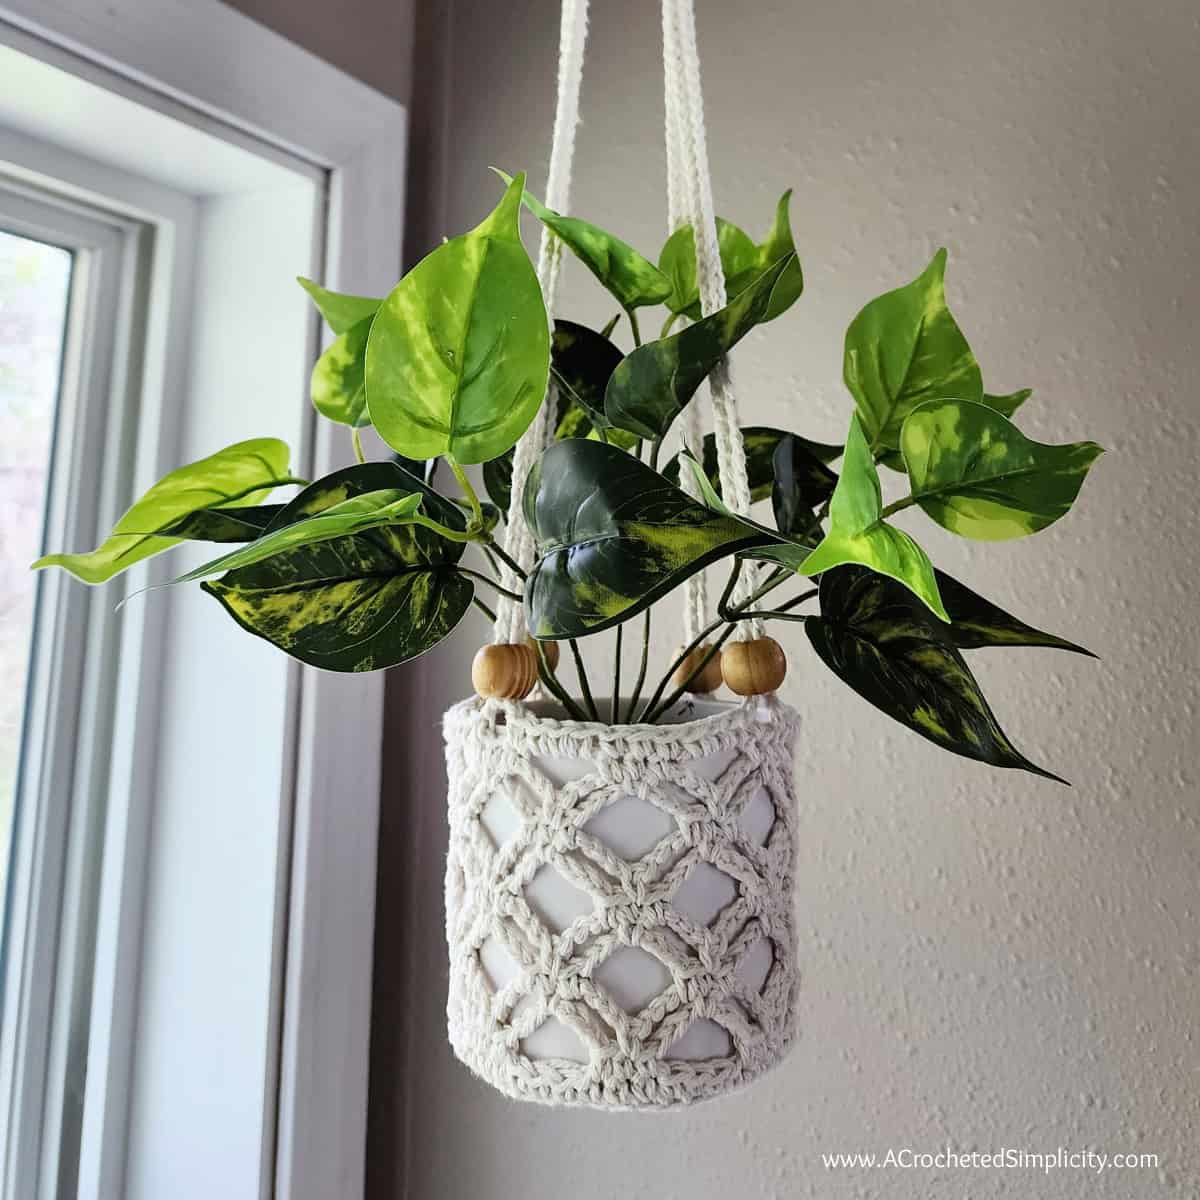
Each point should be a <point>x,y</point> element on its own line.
<point>619,878</point>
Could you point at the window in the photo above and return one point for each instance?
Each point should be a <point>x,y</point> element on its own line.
<point>167,921</point>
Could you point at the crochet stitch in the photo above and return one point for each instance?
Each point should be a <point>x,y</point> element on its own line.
<point>738,971</point>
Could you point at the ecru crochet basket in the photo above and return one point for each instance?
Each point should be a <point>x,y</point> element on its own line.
<point>619,901</point>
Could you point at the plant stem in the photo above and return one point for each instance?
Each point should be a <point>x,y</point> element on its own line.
<point>584,686</point>
<point>633,325</point>
<point>782,613</point>
<point>897,506</point>
<point>547,676</point>
<point>487,579</point>
<point>615,717</point>
<point>483,608</point>
<point>504,556</point>
<point>491,558</point>
<point>468,490</point>
<point>713,650</point>
<point>356,439</point>
<point>668,325</point>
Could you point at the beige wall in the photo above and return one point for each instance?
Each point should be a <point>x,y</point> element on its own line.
<point>990,960</point>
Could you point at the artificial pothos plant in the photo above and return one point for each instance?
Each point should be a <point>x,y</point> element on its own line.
<point>368,567</point>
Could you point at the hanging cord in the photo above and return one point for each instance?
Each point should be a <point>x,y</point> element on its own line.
<point>518,540</point>
<point>679,166</point>
<point>691,190</point>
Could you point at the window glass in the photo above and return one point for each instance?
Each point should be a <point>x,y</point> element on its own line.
<point>34,285</point>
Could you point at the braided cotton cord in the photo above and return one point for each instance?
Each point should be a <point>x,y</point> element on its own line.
<point>518,540</point>
<point>682,71</point>
<point>679,167</point>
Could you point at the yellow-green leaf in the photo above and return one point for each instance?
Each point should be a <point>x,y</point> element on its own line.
<point>340,310</point>
<point>241,474</point>
<point>903,349</point>
<point>859,534</point>
<point>337,388</point>
<point>976,474</point>
<point>459,353</point>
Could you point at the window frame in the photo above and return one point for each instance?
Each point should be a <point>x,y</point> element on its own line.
<point>173,56</point>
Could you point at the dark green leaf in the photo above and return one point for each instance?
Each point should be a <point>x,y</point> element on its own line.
<point>357,603</point>
<point>341,312</point>
<point>581,362</point>
<point>497,480</point>
<point>613,537</point>
<point>632,279</point>
<point>976,622</point>
<point>653,384</point>
<point>905,348</point>
<point>224,524</point>
<point>241,474</point>
<point>760,442</point>
<point>802,483</point>
<point>459,354</point>
<point>879,639</point>
<point>976,474</point>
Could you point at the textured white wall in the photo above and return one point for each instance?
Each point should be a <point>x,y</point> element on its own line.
<point>991,960</point>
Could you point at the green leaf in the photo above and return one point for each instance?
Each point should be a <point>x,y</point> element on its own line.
<point>239,475</point>
<point>356,603</point>
<point>341,312</point>
<point>224,524</point>
<point>741,263</point>
<point>338,388</point>
<point>459,353</point>
<point>801,484</point>
<point>581,362</point>
<point>497,480</point>
<point>613,537</point>
<point>903,349</point>
<point>976,623</point>
<point>873,635</point>
<point>976,474</point>
<point>677,261</point>
<point>760,442</point>
<point>858,533</point>
<point>357,515</point>
<point>653,384</point>
<point>1007,404</point>
<point>632,279</point>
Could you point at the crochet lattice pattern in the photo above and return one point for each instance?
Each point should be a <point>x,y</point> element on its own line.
<point>731,973</point>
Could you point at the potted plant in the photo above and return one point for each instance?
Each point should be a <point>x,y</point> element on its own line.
<point>619,884</point>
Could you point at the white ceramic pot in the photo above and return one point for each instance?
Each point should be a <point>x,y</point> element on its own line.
<point>619,900</point>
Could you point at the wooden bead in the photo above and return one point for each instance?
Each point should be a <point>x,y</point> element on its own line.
<point>709,678</point>
<point>551,649</point>
<point>753,668</point>
<point>506,672</point>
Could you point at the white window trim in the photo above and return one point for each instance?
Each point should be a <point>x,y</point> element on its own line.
<point>176,55</point>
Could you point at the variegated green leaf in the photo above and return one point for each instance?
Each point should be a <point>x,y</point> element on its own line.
<point>633,280</point>
<point>371,510</point>
<point>760,442</point>
<point>459,353</point>
<point>975,473</point>
<point>802,483</point>
<point>239,475</point>
<point>341,311</point>
<point>652,385</point>
<point>859,534</point>
<point>976,623</point>
<point>581,362</point>
<point>337,387</point>
<point>742,262</point>
<point>677,262</point>
<point>903,349</point>
<point>357,603</point>
<point>224,524</point>
<point>879,640</point>
<point>613,537</point>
